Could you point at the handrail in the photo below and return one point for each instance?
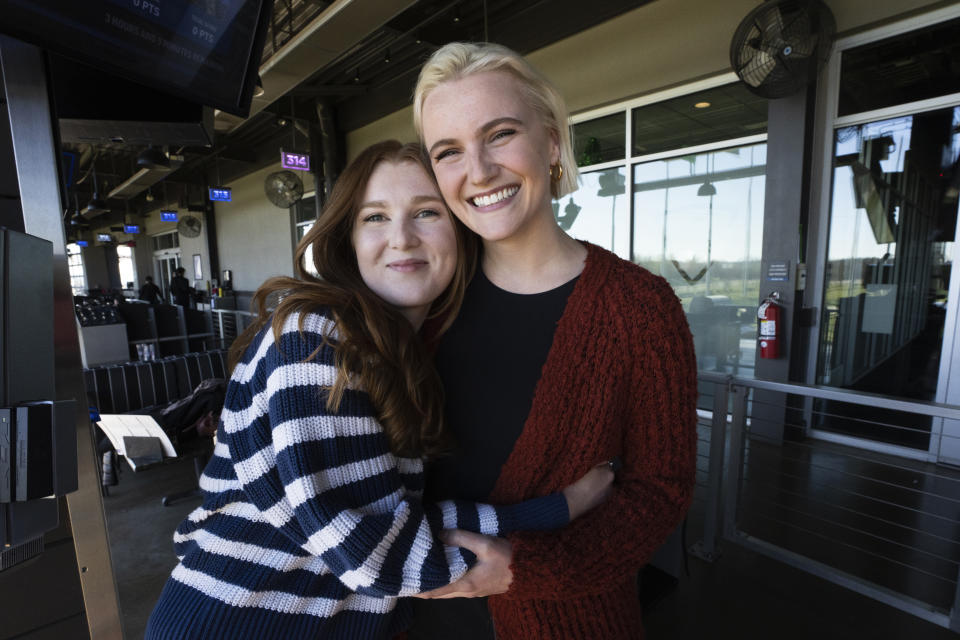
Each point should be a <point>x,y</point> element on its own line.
<point>934,409</point>
<point>731,450</point>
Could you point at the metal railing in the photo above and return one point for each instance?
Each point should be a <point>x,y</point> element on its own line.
<point>229,323</point>
<point>884,526</point>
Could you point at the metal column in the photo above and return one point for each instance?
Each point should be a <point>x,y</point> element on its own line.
<point>36,156</point>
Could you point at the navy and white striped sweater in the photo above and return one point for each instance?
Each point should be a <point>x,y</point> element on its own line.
<point>310,527</point>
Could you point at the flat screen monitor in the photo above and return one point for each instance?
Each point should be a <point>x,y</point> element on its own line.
<point>131,228</point>
<point>207,52</point>
<point>104,237</point>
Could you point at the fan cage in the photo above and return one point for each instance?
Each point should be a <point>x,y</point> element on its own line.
<point>780,46</point>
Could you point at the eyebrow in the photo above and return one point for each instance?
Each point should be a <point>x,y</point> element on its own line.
<point>380,204</point>
<point>484,128</point>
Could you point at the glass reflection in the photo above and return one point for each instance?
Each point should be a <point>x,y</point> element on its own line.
<point>892,226</point>
<point>698,222</point>
<point>598,211</point>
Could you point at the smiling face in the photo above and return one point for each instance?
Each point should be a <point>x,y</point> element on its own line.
<point>491,154</point>
<point>404,239</point>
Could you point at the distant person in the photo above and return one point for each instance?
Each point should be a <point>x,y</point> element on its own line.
<point>180,288</point>
<point>150,292</point>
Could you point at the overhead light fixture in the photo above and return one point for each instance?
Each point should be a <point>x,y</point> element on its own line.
<point>149,195</point>
<point>417,39</point>
<point>153,158</point>
<point>96,205</point>
<point>281,121</point>
<point>258,87</point>
<point>386,56</point>
<point>456,14</point>
<point>356,76</point>
<point>707,189</point>
<point>701,105</point>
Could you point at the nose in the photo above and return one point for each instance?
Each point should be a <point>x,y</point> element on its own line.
<point>480,167</point>
<point>403,234</point>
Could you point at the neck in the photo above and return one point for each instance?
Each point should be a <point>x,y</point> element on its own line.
<point>415,315</point>
<point>541,258</point>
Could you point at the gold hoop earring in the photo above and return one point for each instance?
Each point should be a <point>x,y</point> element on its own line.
<point>559,171</point>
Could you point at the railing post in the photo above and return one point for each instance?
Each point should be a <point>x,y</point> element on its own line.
<point>707,549</point>
<point>955,610</point>
<point>731,483</point>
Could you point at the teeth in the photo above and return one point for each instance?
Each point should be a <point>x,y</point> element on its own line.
<point>493,198</point>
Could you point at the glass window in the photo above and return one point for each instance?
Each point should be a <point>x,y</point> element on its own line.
<point>722,113</point>
<point>128,272</point>
<point>305,210</point>
<point>170,240</point>
<point>78,278</point>
<point>904,68</point>
<point>302,230</point>
<point>600,140</point>
<point>598,211</point>
<point>698,222</point>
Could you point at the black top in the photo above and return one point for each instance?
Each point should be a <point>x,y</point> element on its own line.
<point>150,292</point>
<point>489,361</point>
<point>180,288</point>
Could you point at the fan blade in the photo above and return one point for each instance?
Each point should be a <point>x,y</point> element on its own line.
<point>757,67</point>
<point>770,24</point>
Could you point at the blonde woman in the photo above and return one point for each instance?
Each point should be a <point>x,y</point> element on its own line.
<point>562,354</point>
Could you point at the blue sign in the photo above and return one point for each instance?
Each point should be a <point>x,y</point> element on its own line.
<point>131,228</point>
<point>298,161</point>
<point>82,243</point>
<point>168,216</point>
<point>221,194</point>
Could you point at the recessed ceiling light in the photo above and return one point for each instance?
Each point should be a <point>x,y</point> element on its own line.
<point>701,105</point>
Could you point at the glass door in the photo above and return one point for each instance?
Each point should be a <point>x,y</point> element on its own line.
<point>888,294</point>
<point>167,265</point>
<point>889,299</point>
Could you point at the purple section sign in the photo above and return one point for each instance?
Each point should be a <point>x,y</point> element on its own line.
<point>297,161</point>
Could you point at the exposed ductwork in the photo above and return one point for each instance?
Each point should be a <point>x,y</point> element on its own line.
<point>143,179</point>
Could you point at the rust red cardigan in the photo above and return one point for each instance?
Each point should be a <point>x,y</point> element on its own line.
<point>620,379</point>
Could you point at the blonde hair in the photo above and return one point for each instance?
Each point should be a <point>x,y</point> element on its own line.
<point>458,60</point>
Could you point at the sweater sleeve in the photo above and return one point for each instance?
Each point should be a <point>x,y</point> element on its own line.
<point>655,486</point>
<point>330,483</point>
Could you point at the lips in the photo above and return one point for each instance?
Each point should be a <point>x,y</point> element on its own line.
<point>404,266</point>
<point>493,197</point>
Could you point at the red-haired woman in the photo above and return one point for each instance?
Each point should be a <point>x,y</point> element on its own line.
<point>312,524</point>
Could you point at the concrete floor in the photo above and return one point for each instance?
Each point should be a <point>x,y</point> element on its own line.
<point>141,536</point>
<point>742,595</point>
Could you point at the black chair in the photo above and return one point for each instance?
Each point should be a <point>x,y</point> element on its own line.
<point>169,383</point>
<point>118,389</point>
<point>219,361</point>
<point>146,383</point>
<point>206,365</point>
<point>194,371</point>
<point>131,385</point>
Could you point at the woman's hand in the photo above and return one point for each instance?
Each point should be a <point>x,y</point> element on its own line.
<point>590,490</point>
<point>491,574</point>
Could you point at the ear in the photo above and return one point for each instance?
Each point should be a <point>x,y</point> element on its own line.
<point>554,146</point>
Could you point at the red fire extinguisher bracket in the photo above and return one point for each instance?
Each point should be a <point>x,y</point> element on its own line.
<point>768,336</point>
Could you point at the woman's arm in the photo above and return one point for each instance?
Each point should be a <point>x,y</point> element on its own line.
<point>330,483</point>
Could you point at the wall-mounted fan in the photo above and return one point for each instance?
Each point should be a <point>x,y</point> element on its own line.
<point>779,47</point>
<point>283,188</point>
<point>189,226</point>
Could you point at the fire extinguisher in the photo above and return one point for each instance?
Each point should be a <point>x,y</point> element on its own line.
<point>769,315</point>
